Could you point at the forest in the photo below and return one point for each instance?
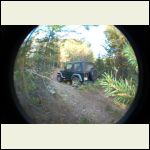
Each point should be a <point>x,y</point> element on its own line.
<point>39,59</point>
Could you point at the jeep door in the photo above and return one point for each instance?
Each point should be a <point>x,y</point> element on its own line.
<point>68,71</point>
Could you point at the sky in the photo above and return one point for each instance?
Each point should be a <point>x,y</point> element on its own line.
<point>95,36</point>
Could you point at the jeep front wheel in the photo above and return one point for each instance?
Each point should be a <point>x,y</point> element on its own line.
<point>59,78</point>
<point>75,81</point>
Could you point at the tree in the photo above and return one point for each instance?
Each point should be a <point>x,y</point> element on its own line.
<point>46,54</point>
<point>73,50</point>
<point>115,42</point>
<point>100,66</point>
<point>132,63</point>
<point>123,91</point>
<point>21,61</point>
<point>52,50</point>
<point>130,55</point>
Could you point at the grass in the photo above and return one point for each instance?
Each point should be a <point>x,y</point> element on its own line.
<point>84,120</point>
<point>87,87</point>
<point>90,86</point>
<point>35,101</point>
<point>113,111</point>
<point>109,108</point>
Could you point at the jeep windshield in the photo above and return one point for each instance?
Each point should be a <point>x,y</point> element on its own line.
<point>69,66</point>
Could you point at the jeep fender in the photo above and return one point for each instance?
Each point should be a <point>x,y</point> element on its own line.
<point>77,75</point>
<point>60,74</point>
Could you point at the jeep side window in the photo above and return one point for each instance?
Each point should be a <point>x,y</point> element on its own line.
<point>69,66</point>
<point>77,67</point>
<point>88,67</point>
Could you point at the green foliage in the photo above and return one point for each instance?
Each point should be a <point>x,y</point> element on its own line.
<point>87,87</point>
<point>109,64</point>
<point>130,55</point>
<point>123,91</point>
<point>74,50</point>
<point>31,80</point>
<point>17,75</point>
<point>35,100</point>
<point>90,86</point>
<point>120,77</point>
<point>115,40</point>
<point>100,67</point>
<point>84,120</point>
<point>56,28</point>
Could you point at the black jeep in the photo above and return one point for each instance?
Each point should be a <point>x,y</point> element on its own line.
<point>78,72</point>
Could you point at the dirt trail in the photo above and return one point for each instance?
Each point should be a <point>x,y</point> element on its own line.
<point>86,107</point>
<point>71,105</point>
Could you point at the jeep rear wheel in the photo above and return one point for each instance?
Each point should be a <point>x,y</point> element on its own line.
<point>76,81</point>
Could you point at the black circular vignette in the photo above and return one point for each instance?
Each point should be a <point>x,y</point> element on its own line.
<point>12,38</point>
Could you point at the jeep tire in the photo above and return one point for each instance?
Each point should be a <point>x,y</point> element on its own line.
<point>59,78</point>
<point>75,82</point>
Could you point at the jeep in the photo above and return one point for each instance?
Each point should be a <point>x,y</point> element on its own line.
<point>78,72</point>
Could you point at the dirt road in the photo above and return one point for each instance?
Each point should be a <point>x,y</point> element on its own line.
<point>71,105</point>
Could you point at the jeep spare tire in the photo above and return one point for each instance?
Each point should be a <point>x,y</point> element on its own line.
<point>93,74</point>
